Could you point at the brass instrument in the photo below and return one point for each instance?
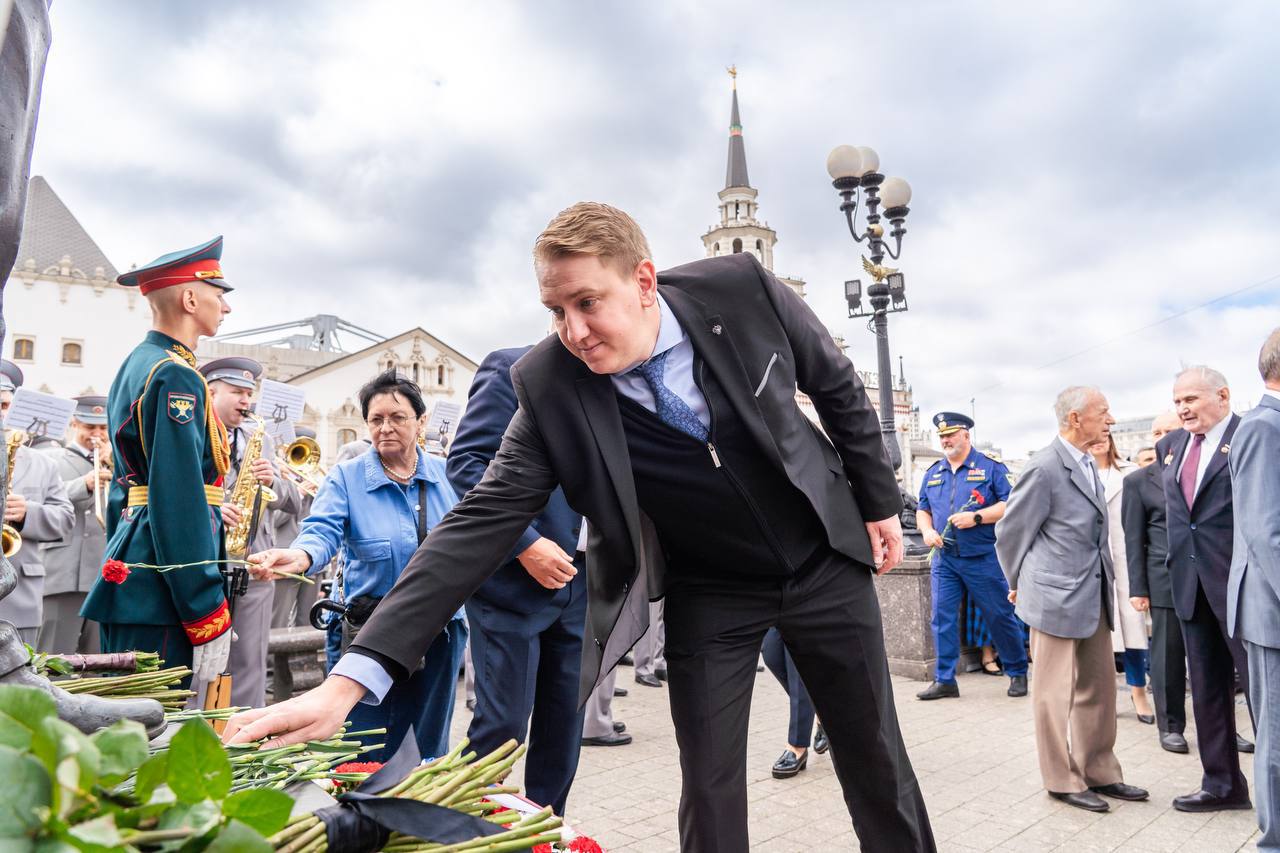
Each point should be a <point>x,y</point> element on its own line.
<point>100,493</point>
<point>302,463</point>
<point>10,538</point>
<point>248,495</point>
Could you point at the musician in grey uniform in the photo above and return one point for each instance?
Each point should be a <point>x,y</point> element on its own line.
<point>73,563</point>
<point>293,600</point>
<point>232,382</point>
<point>37,507</point>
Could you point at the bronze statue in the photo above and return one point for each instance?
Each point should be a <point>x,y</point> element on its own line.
<point>24,46</point>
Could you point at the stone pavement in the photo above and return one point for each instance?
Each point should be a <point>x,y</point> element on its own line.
<point>975,757</point>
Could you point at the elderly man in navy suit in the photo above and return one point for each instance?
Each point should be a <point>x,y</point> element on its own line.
<point>1197,490</point>
<point>1253,588</point>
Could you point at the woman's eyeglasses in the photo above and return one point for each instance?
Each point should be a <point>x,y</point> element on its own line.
<point>397,420</point>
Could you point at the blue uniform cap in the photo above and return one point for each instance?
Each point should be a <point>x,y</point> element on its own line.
<point>949,422</point>
<point>10,375</point>
<point>234,370</point>
<point>199,263</point>
<point>91,410</point>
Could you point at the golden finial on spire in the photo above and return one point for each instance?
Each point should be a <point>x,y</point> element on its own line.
<point>733,74</point>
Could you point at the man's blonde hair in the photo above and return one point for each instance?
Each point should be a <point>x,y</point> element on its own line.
<point>592,228</point>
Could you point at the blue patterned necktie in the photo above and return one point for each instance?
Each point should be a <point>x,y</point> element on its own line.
<point>672,411</point>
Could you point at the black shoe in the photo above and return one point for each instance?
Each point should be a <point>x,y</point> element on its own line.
<point>1173,742</point>
<point>1087,800</point>
<point>990,667</point>
<point>661,673</point>
<point>619,692</point>
<point>1243,745</point>
<point>648,680</point>
<point>471,704</point>
<point>1017,686</point>
<point>627,660</point>
<point>615,739</point>
<point>820,742</point>
<point>759,667</point>
<point>619,728</point>
<point>1121,791</point>
<point>1148,719</point>
<point>938,690</point>
<point>1203,801</point>
<point>789,764</point>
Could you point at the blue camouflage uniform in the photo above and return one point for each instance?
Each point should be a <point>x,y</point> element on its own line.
<point>967,560</point>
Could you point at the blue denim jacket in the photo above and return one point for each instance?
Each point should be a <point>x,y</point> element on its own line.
<point>360,509</point>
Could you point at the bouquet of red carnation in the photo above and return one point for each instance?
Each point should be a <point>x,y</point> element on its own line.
<point>975,500</point>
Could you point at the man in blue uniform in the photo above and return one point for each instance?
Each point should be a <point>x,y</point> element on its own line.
<point>962,498</point>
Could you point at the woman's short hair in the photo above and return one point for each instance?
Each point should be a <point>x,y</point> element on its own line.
<point>391,382</point>
<point>592,228</point>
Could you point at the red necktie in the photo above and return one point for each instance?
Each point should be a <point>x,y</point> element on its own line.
<point>1190,466</point>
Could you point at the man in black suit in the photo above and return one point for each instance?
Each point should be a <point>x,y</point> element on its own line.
<point>1146,542</point>
<point>1197,490</point>
<point>666,411</point>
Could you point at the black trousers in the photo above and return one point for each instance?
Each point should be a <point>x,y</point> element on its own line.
<point>1168,670</point>
<point>829,618</point>
<point>1213,659</point>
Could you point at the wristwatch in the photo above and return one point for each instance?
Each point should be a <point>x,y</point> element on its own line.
<point>977,518</point>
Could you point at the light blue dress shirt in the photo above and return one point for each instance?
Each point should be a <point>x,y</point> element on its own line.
<point>677,375</point>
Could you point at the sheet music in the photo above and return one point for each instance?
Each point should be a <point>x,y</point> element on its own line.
<point>280,407</point>
<point>38,413</point>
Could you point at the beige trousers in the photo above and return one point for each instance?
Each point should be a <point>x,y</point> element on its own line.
<point>1073,698</point>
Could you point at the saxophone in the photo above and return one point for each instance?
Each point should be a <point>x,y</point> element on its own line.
<point>248,495</point>
<point>10,538</point>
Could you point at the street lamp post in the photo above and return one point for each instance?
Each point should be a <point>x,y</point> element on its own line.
<point>855,172</point>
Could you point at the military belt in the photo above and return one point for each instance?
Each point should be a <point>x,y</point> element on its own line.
<point>138,495</point>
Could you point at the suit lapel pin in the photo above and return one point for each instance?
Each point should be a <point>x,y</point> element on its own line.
<point>1168,459</point>
<point>716,329</point>
<point>1225,448</point>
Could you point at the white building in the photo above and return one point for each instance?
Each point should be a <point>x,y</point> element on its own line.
<point>70,325</point>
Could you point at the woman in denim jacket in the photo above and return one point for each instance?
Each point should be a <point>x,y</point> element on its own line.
<point>377,507</point>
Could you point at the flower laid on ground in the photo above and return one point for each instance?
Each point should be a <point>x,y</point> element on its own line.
<point>114,571</point>
<point>359,767</point>
<point>582,844</point>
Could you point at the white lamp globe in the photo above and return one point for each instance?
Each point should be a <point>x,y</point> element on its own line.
<point>895,192</point>
<point>844,161</point>
<point>870,160</point>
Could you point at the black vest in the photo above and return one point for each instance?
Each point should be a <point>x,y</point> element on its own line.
<point>721,508</point>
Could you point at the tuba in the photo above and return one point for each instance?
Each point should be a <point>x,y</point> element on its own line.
<point>302,462</point>
<point>248,494</point>
<point>10,538</point>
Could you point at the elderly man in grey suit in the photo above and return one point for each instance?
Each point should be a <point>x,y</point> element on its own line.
<point>1253,587</point>
<point>1052,544</point>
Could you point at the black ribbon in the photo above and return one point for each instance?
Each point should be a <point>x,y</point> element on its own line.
<point>362,821</point>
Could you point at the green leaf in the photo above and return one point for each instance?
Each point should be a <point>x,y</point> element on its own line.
<point>264,809</point>
<point>123,747</point>
<point>198,765</point>
<point>21,710</point>
<point>153,773</point>
<point>95,836</point>
<point>69,757</point>
<point>26,789</point>
<point>199,817</point>
<point>53,845</point>
<point>237,837</point>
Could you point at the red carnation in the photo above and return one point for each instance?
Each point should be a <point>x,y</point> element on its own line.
<point>358,767</point>
<point>977,498</point>
<point>114,571</point>
<point>543,848</point>
<point>582,844</point>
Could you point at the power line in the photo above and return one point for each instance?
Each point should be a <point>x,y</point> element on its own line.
<point>1184,312</point>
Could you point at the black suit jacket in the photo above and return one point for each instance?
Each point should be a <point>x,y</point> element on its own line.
<point>762,342</point>
<point>1199,538</point>
<point>1146,539</point>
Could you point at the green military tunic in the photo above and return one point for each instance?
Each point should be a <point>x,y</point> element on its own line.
<point>170,454</point>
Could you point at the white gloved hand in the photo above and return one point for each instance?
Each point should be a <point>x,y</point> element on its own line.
<point>210,660</point>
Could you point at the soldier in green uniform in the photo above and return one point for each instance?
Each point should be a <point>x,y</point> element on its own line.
<point>170,454</point>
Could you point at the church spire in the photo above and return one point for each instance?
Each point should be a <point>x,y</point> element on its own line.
<point>736,172</point>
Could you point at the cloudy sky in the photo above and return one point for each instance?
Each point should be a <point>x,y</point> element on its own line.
<point>1081,171</point>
